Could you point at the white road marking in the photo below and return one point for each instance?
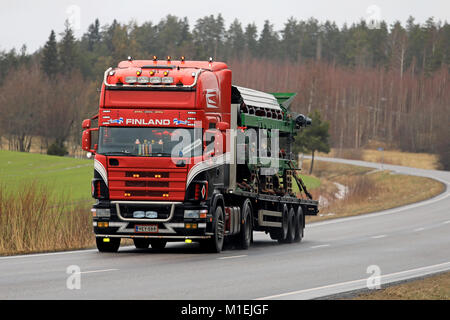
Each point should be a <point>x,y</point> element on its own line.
<point>232,257</point>
<point>419,229</point>
<point>37,255</point>
<point>424,270</point>
<point>46,254</point>
<point>379,236</point>
<point>320,246</point>
<point>445,222</point>
<point>95,271</point>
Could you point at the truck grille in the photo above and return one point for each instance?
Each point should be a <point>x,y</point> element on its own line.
<point>127,210</point>
<point>147,184</point>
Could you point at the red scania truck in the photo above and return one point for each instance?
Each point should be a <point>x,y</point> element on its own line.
<point>184,155</point>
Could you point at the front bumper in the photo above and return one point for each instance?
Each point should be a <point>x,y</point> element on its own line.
<point>170,223</point>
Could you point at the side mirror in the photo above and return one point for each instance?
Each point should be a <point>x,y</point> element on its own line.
<point>86,141</point>
<point>223,126</point>
<point>86,124</point>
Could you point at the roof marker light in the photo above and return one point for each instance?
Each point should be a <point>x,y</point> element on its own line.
<point>168,58</point>
<point>155,58</point>
<point>111,73</point>
<point>130,58</point>
<point>182,58</point>
<point>210,59</point>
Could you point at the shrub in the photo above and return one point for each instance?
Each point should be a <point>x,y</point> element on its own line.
<point>57,150</point>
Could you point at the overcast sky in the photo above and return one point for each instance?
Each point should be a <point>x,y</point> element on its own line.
<point>29,21</point>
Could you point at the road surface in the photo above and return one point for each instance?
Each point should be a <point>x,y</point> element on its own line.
<point>335,256</point>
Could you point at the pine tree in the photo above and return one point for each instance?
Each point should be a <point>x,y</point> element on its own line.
<point>50,62</point>
<point>235,42</point>
<point>93,35</point>
<point>268,41</point>
<point>251,42</point>
<point>68,50</point>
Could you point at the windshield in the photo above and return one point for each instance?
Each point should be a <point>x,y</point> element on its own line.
<point>149,142</point>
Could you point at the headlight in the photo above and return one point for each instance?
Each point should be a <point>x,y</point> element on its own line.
<point>195,214</point>
<point>167,80</point>
<point>131,79</point>
<point>101,213</point>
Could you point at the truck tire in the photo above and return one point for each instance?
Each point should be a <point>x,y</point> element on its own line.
<point>215,243</point>
<point>140,243</point>
<point>245,235</point>
<point>111,246</point>
<point>158,244</point>
<point>284,225</point>
<point>300,226</point>
<point>280,234</point>
<point>291,226</point>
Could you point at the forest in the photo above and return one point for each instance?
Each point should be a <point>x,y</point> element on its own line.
<point>371,81</point>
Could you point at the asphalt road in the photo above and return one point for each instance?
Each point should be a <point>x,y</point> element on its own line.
<point>335,256</point>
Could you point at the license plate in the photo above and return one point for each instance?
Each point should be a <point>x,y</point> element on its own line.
<point>151,228</point>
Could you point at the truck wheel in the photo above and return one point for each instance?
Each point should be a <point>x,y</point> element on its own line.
<point>140,243</point>
<point>280,234</point>
<point>245,235</point>
<point>291,226</point>
<point>284,225</point>
<point>299,225</point>
<point>215,244</point>
<point>111,246</point>
<point>158,244</point>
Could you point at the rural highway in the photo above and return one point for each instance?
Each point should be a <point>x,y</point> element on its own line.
<point>334,257</point>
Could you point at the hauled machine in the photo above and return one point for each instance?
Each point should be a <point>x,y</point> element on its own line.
<point>184,155</point>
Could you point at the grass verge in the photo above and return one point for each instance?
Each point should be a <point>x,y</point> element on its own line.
<point>408,159</point>
<point>32,220</point>
<point>436,287</point>
<point>366,190</point>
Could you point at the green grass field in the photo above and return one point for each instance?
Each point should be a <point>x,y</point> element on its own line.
<point>66,176</point>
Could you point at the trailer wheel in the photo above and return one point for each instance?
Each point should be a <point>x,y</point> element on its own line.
<point>280,234</point>
<point>284,225</point>
<point>158,244</point>
<point>291,226</point>
<point>215,244</point>
<point>140,243</point>
<point>245,235</point>
<point>111,246</point>
<point>299,225</point>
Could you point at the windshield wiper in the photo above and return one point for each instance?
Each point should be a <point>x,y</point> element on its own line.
<point>119,153</point>
<point>159,154</point>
